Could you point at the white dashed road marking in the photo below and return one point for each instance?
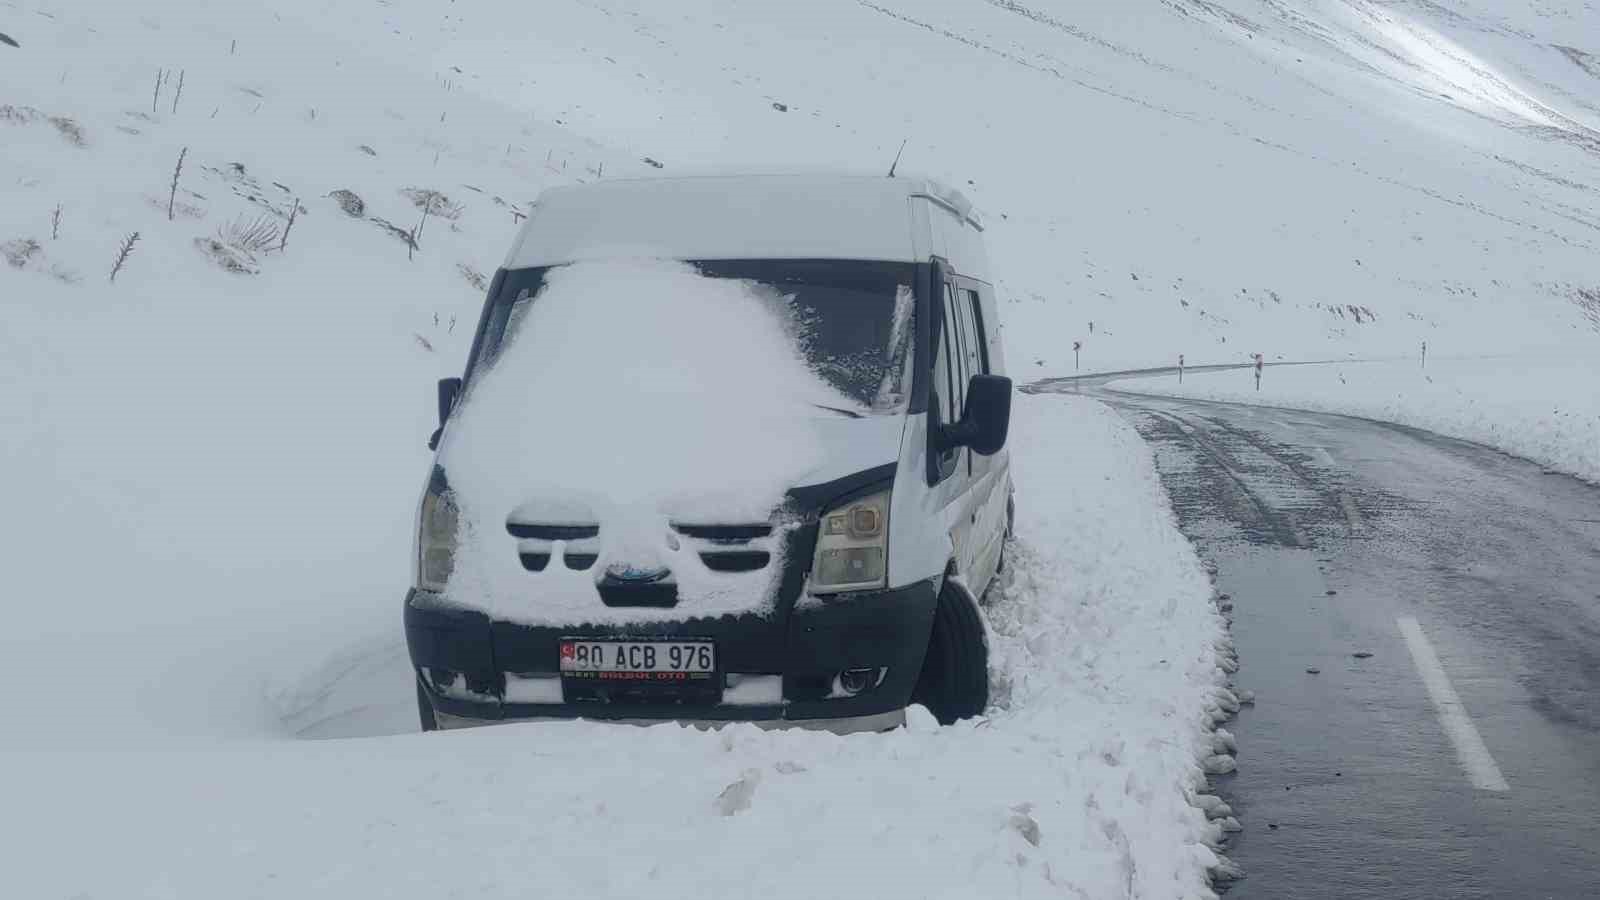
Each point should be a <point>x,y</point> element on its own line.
<point>1351,513</point>
<point>1481,768</point>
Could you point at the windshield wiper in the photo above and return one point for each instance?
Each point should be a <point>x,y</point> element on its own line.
<point>843,412</point>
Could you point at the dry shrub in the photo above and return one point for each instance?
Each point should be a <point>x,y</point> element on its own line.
<point>473,276</point>
<point>403,235</point>
<point>434,202</point>
<point>227,258</point>
<point>1589,304</point>
<point>250,236</point>
<point>19,115</point>
<point>350,202</point>
<point>69,130</point>
<point>18,252</point>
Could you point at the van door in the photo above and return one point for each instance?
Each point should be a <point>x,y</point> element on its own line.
<point>951,471</point>
<point>985,473</point>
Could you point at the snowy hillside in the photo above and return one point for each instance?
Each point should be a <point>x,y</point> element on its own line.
<point>1542,410</point>
<point>1306,179</point>
<point>214,461</point>
<point>214,458</point>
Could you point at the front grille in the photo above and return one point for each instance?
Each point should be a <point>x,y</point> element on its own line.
<point>724,534</point>
<point>727,548</point>
<point>731,548</point>
<point>541,531</point>
<point>736,560</point>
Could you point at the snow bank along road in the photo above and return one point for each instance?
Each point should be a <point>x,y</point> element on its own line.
<point>1542,407</point>
<point>1419,618</point>
<point>147,761</point>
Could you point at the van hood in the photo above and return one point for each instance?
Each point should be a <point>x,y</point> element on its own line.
<point>847,447</point>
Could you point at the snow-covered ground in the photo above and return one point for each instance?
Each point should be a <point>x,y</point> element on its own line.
<point>213,461</point>
<point>213,478</point>
<point>1081,779</point>
<point>1547,410</point>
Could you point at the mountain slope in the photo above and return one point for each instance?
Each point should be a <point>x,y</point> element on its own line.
<point>1310,179</point>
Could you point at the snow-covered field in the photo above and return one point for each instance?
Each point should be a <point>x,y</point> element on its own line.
<point>214,476</point>
<point>213,460</point>
<point>127,778</point>
<point>1546,410</point>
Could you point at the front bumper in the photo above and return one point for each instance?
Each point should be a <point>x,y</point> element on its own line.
<point>849,725</point>
<point>465,661</point>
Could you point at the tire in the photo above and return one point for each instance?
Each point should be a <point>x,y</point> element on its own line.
<point>954,683</point>
<point>425,708</point>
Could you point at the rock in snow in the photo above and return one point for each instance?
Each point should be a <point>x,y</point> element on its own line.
<point>1023,823</point>
<point>736,797</point>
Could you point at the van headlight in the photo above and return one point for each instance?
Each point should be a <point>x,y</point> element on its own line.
<point>436,540</point>
<point>853,547</point>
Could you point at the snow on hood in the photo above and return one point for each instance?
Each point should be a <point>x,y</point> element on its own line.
<point>632,394</point>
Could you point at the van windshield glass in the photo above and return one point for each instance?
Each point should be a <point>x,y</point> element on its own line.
<point>853,321</point>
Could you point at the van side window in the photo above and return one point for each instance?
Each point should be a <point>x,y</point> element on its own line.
<point>954,346</point>
<point>942,382</point>
<point>971,344</point>
<point>980,334</point>
<point>503,327</point>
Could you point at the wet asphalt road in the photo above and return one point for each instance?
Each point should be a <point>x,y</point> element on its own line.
<point>1461,758</point>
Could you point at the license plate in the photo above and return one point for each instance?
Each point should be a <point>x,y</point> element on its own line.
<point>648,661</point>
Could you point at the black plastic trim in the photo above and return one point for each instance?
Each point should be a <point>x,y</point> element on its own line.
<point>806,645</point>
<point>723,532</point>
<point>645,595</point>
<point>552,532</point>
<point>493,294</point>
<point>736,560</point>
<point>814,499</point>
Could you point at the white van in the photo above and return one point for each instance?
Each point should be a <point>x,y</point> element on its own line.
<point>865,576</point>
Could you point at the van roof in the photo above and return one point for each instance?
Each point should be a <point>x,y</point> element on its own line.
<point>746,217</point>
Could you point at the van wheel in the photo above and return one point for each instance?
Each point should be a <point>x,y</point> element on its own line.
<point>425,709</point>
<point>954,683</point>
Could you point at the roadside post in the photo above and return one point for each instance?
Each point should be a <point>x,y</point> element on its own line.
<point>1180,368</point>
<point>1424,354</point>
<point>1258,371</point>
<point>1076,346</point>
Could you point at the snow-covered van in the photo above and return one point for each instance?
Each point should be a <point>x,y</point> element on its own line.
<point>726,449</point>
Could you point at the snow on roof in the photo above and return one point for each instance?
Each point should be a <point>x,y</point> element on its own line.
<point>735,217</point>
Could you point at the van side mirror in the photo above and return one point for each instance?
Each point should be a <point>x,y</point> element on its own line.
<point>987,419</point>
<point>449,390</point>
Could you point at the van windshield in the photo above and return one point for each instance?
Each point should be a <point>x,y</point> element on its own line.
<point>853,321</point>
